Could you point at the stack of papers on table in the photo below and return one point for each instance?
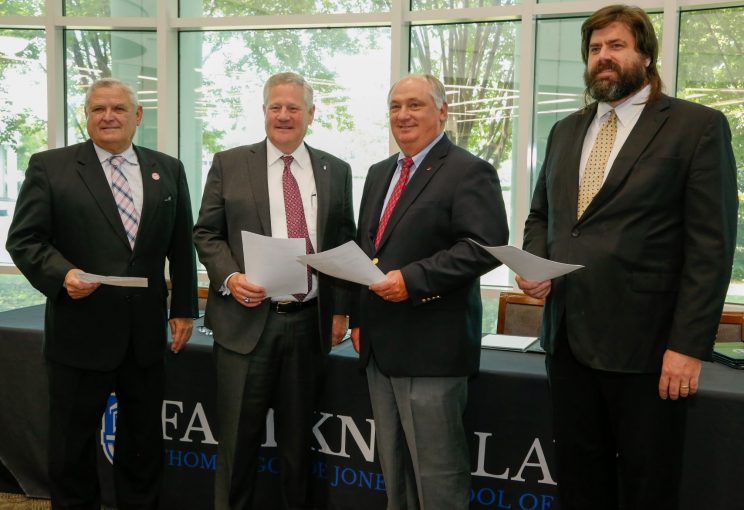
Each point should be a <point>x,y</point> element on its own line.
<point>729,353</point>
<point>509,342</point>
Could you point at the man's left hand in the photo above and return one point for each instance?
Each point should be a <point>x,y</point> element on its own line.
<point>393,288</point>
<point>338,330</point>
<point>180,328</point>
<point>679,375</point>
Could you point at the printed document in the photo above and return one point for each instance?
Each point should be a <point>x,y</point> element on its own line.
<point>272,263</point>
<point>347,262</point>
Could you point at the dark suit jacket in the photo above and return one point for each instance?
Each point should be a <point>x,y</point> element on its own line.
<point>657,240</point>
<point>66,217</point>
<point>236,198</point>
<point>452,196</point>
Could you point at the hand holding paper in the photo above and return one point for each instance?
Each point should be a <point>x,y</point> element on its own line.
<point>273,263</point>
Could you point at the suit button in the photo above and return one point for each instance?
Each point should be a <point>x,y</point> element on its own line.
<point>375,261</point>
<point>575,232</point>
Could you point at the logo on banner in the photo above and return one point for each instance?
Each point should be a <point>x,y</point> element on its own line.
<point>108,427</point>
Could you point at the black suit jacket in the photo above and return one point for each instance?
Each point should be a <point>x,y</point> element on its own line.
<point>657,240</point>
<point>66,217</point>
<point>452,196</point>
<point>236,198</point>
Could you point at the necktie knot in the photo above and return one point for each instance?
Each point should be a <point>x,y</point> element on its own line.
<point>116,161</point>
<point>287,161</point>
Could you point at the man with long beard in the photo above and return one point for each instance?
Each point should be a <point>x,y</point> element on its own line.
<point>640,188</point>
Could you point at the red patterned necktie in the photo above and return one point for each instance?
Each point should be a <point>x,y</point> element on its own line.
<point>296,224</point>
<point>394,196</point>
<point>124,199</point>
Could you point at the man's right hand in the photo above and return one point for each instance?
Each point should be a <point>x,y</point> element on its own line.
<point>244,292</point>
<point>355,338</point>
<point>534,288</point>
<point>77,289</point>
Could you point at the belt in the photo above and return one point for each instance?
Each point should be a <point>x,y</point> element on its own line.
<point>292,306</point>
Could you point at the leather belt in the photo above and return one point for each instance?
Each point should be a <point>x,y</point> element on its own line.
<point>292,306</point>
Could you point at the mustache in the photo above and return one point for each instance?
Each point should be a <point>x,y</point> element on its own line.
<point>605,66</point>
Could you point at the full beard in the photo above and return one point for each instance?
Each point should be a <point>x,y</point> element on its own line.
<point>609,90</point>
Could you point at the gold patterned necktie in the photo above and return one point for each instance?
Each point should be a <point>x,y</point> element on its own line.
<point>593,176</point>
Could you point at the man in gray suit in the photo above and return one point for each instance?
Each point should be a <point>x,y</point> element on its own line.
<point>653,220</point>
<point>269,350</point>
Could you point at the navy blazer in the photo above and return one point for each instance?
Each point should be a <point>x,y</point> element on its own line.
<point>453,196</point>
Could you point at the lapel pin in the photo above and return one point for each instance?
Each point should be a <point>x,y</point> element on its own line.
<point>428,168</point>
<point>155,176</point>
<point>325,167</point>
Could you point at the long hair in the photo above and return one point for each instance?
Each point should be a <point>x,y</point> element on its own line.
<point>640,26</point>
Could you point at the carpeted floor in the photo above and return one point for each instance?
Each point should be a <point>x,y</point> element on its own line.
<point>20,502</point>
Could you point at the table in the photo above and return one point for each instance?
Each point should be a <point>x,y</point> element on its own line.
<point>507,419</point>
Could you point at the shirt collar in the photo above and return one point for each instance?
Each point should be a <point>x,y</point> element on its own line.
<point>418,158</point>
<point>128,154</point>
<point>301,155</point>
<point>629,109</point>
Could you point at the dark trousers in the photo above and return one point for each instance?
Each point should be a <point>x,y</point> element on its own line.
<point>77,402</point>
<point>281,372</point>
<point>618,444</point>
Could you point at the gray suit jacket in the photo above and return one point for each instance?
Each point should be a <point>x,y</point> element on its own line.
<point>657,240</point>
<point>236,198</point>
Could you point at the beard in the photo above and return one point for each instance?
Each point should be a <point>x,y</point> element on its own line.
<point>609,90</point>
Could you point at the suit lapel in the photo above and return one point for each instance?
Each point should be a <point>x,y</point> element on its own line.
<point>649,123</point>
<point>91,172</point>
<point>424,173</point>
<point>151,195</point>
<point>322,175</point>
<point>377,196</point>
<point>259,188</point>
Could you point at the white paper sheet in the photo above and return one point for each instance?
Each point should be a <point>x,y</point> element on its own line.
<point>272,263</point>
<point>347,262</point>
<point>507,342</point>
<point>527,265</point>
<point>118,281</point>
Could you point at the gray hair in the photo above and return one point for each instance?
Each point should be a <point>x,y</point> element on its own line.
<point>438,94</point>
<point>105,83</point>
<point>289,79</point>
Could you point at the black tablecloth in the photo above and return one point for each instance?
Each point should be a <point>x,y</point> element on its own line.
<point>507,419</point>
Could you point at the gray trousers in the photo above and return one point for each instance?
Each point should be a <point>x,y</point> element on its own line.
<point>421,440</point>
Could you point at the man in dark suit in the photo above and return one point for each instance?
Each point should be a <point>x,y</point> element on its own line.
<point>269,350</point>
<point>641,189</point>
<point>419,331</point>
<point>106,207</point>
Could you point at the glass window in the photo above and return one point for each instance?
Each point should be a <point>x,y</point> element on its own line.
<point>711,72</point>
<point>16,292</point>
<point>113,8</point>
<point>22,115</point>
<point>209,8</point>
<point>458,4</point>
<point>477,62</point>
<point>126,55</point>
<point>221,93</point>
<point>22,8</point>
